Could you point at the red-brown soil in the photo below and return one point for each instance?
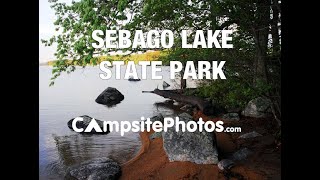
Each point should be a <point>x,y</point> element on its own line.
<point>152,162</point>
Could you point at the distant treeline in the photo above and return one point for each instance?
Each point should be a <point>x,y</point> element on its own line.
<point>147,56</point>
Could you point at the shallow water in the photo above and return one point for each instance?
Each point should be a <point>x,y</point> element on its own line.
<point>74,95</point>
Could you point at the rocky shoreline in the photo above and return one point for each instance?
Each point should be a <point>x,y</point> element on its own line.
<point>253,153</point>
<point>152,161</point>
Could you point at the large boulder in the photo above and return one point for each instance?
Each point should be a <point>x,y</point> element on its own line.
<point>95,169</point>
<point>258,108</point>
<point>84,124</point>
<point>110,96</point>
<point>198,147</point>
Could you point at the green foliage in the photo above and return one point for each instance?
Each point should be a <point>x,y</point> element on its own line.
<point>147,56</point>
<point>232,93</point>
<point>75,24</point>
<point>252,66</point>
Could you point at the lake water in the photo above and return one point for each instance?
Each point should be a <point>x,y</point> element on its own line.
<point>74,95</point>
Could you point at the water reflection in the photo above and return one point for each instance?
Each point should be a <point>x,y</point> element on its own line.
<point>74,95</point>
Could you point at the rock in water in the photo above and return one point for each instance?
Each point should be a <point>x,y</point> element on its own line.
<point>198,147</point>
<point>258,108</point>
<point>133,79</point>
<point>225,164</point>
<point>111,96</point>
<point>95,169</point>
<point>84,124</point>
<point>165,84</point>
<point>252,134</point>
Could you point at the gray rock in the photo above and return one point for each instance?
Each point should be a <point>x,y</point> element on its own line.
<point>233,110</point>
<point>198,147</point>
<point>84,124</point>
<point>158,117</point>
<point>231,117</point>
<point>110,96</point>
<point>133,79</point>
<point>169,101</point>
<point>241,154</point>
<point>258,108</point>
<point>187,108</point>
<point>252,134</point>
<point>95,169</point>
<point>155,135</point>
<point>185,116</point>
<point>225,164</point>
<point>165,84</point>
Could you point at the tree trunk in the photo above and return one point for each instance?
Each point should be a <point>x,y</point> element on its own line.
<point>260,34</point>
<point>274,27</point>
<point>206,107</point>
<point>183,82</point>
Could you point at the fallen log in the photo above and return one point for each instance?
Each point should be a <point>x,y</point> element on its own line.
<point>205,106</point>
<point>178,91</point>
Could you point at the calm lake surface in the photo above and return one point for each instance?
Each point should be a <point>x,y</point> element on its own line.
<point>74,95</point>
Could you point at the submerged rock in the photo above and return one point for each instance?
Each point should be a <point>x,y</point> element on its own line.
<point>95,169</point>
<point>231,117</point>
<point>225,164</point>
<point>84,124</point>
<point>198,147</point>
<point>241,154</point>
<point>258,108</point>
<point>110,96</point>
<point>252,134</point>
